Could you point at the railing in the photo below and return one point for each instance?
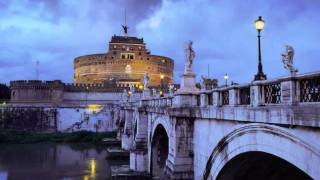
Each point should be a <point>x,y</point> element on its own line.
<point>272,93</point>
<point>310,90</point>
<point>157,102</point>
<point>225,97</point>
<point>245,96</point>
<point>198,100</point>
<point>210,100</point>
<point>287,90</point>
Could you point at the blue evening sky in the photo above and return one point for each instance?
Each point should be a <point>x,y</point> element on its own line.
<point>56,31</point>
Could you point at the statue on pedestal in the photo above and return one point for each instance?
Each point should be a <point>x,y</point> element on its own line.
<point>203,82</point>
<point>154,92</point>
<point>125,96</point>
<point>188,82</point>
<point>132,88</point>
<point>171,87</point>
<point>287,59</point>
<point>146,81</point>
<point>190,55</point>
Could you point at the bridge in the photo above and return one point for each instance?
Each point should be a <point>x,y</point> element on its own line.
<point>261,130</point>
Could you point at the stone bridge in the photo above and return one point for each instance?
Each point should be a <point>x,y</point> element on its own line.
<point>260,130</point>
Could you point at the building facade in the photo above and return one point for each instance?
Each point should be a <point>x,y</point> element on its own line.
<point>126,61</point>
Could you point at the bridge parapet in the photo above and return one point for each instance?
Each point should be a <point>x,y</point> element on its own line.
<point>287,90</point>
<point>157,102</point>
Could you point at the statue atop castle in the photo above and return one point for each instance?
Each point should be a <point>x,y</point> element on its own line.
<point>125,29</point>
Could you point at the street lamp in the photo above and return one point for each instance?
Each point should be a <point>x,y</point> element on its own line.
<point>87,91</point>
<point>226,77</point>
<point>161,83</point>
<point>259,27</point>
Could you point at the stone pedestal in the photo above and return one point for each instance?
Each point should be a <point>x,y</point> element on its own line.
<point>187,94</point>
<point>203,99</point>
<point>146,94</point>
<point>188,84</point>
<point>256,95</point>
<point>289,91</point>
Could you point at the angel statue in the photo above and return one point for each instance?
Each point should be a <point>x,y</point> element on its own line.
<point>125,96</point>
<point>146,81</point>
<point>287,59</point>
<point>171,88</point>
<point>190,55</point>
<point>154,92</point>
<point>132,88</point>
<point>203,82</point>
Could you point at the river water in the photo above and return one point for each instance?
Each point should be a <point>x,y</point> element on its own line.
<point>53,161</point>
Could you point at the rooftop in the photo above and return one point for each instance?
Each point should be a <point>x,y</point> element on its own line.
<point>126,39</point>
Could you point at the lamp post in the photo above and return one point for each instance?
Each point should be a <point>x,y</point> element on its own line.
<point>87,91</point>
<point>226,77</point>
<point>161,84</point>
<point>259,27</point>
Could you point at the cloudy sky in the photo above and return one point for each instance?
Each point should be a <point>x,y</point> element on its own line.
<point>56,31</point>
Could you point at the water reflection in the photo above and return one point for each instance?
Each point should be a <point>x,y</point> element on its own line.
<point>53,161</point>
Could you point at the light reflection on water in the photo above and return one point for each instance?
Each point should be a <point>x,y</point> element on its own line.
<point>53,161</point>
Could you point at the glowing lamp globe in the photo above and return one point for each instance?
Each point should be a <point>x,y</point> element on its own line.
<point>259,24</point>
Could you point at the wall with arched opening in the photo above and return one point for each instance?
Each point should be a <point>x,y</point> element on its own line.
<point>259,165</point>
<point>217,142</point>
<point>159,151</point>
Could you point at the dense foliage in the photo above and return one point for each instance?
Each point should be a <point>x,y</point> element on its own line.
<point>11,136</point>
<point>4,93</point>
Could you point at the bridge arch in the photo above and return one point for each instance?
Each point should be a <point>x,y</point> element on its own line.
<point>264,139</point>
<point>159,150</point>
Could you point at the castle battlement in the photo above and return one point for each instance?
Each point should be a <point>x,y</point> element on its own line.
<point>35,84</point>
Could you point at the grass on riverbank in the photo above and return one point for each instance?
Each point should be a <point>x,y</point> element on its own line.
<point>17,137</point>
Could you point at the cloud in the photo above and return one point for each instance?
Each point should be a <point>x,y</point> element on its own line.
<point>56,31</point>
<point>224,35</point>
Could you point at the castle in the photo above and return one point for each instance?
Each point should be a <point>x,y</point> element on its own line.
<point>125,63</point>
<point>100,78</point>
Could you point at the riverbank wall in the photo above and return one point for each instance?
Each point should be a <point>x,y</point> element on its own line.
<point>43,118</point>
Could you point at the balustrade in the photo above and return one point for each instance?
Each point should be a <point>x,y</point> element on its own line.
<point>244,96</point>
<point>310,90</point>
<point>288,90</point>
<point>225,97</point>
<point>272,93</point>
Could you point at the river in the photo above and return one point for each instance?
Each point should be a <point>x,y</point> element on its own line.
<point>46,161</point>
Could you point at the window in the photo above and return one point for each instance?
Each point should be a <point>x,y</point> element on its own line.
<point>114,52</point>
<point>140,53</point>
<point>127,55</point>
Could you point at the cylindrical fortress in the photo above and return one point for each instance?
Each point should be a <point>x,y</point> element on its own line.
<point>126,61</point>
